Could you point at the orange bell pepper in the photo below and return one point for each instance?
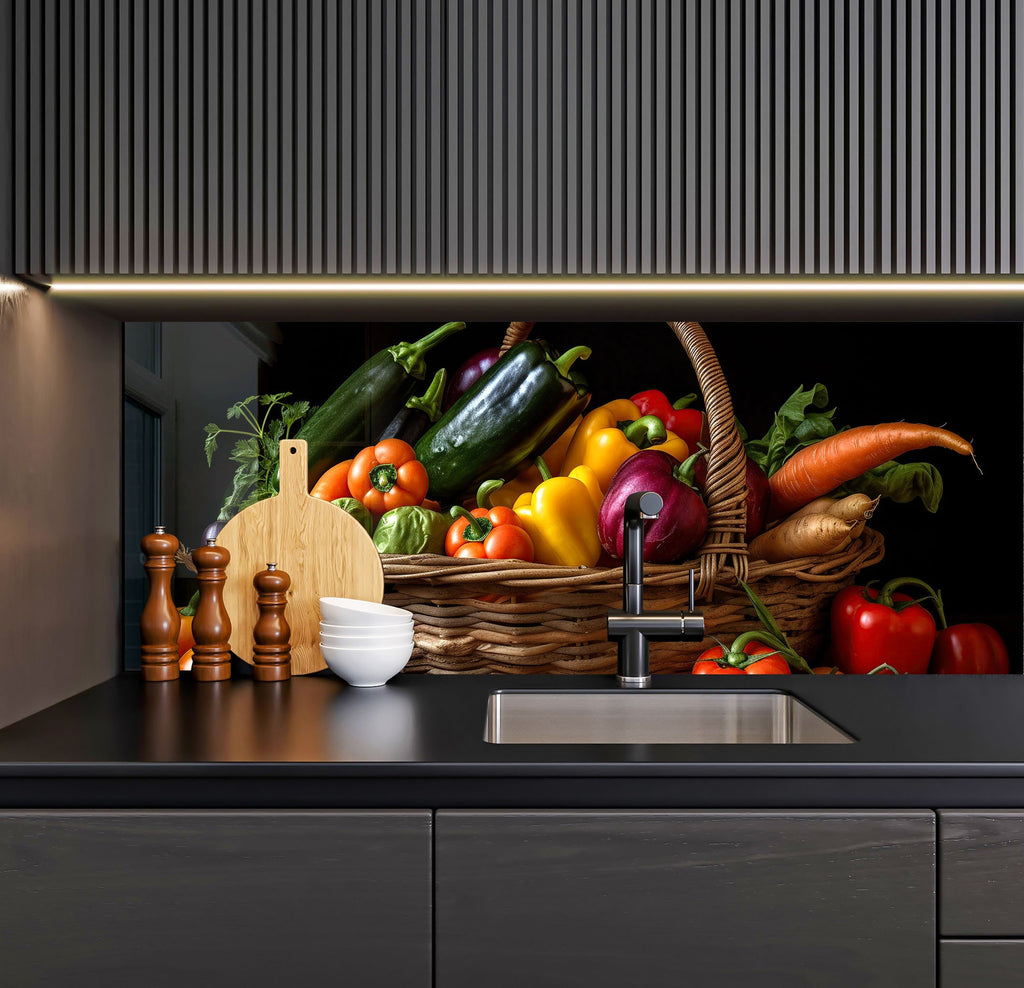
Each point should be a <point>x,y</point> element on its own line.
<point>611,434</point>
<point>334,483</point>
<point>488,533</point>
<point>388,475</point>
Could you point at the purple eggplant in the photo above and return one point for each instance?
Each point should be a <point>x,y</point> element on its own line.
<point>468,374</point>
<point>683,521</point>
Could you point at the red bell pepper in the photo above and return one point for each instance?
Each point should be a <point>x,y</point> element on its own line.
<point>871,627</point>
<point>680,419</point>
<point>975,649</point>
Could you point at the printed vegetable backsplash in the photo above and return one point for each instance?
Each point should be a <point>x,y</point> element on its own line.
<point>530,453</point>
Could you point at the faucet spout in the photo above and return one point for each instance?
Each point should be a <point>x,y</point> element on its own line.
<point>633,627</point>
<point>639,507</point>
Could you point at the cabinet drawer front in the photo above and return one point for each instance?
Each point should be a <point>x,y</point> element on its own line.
<point>981,963</point>
<point>601,898</point>
<point>981,873</point>
<point>254,898</point>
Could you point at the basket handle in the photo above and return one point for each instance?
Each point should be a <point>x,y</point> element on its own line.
<point>726,489</point>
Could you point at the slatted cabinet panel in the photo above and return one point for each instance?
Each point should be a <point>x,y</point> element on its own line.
<point>518,136</point>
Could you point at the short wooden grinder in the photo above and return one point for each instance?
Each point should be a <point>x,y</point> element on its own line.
<point>271,649</point>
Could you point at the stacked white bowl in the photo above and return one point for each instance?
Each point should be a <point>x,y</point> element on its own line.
<point>363,642</point>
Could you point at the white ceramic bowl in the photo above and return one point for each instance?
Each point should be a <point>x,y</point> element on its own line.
<point>366,666</point>
<point>331,628</point>
<point>370,641</point>
<point>345,610</point>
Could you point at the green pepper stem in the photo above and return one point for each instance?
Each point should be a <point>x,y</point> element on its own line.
<point>477,528</point>
<point>564,362</point>
<point>648,430</point>
<point>685,402</point>
<point>430,401</point>
<point>484,492</point>
<point>545,470</point>
<point>409,356</point>
<point>885,594</point>
<point>686,472</point>
<point>383,477</point>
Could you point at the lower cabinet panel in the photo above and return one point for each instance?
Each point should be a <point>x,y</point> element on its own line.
<point>254,898</point>
<point>981,963</point>
<point>981,853</point>
<point>601,898</point>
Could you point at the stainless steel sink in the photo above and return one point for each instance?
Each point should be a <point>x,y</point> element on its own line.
<point>655,717</point>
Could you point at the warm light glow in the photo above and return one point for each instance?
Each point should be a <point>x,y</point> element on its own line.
<point>10,287</point>
<point>542,285</point>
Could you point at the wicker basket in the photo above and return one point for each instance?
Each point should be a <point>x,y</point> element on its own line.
<point>478,616</point>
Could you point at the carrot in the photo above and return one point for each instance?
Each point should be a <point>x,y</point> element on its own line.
<point>824,465</point>
<point>807,535</point>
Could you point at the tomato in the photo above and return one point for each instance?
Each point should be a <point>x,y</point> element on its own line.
<point>713,661</point>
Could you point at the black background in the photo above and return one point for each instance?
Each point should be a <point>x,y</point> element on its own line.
<point>966,377</point>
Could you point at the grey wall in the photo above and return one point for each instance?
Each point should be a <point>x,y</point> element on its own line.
<point>544,136</point>
<point>60,502</point>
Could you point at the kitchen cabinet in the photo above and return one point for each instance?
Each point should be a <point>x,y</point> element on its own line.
<point>981,895</point>
<point>534,137</point>
<point>260,898</point>
<point>601,898</point>
<point>981,868</point>
<point>981,963</point>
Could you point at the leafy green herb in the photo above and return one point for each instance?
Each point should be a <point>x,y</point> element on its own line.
<point>772,634</point>
<point>798,423</point>
<point>269,419</point>
<point>901,482</point>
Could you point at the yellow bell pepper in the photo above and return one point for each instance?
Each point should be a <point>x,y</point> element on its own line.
<point>561,518</point>
<point>611,434</point>
<point>527,480</point>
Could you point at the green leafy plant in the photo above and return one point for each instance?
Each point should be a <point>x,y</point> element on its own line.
<point>269,419</point>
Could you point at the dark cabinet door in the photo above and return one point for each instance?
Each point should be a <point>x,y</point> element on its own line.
<point>254,898</point>
<point>981,855</point>
<point>697,898</point>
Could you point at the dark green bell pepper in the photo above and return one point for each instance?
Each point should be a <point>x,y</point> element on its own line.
<point>518,407</point>
<point>411,530</point>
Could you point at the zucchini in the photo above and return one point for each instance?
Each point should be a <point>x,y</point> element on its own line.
<point>369,399</point>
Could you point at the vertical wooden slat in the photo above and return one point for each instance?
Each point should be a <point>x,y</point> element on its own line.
<point>302,116</point>
<point>153,147</point>
<point>242,170</point>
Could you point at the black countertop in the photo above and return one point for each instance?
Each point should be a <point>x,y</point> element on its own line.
<point>921,741</point>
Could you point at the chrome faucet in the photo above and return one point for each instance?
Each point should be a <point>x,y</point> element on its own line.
<point>633,627</point>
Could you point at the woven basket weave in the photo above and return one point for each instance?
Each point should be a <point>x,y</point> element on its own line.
<point>511,617</point>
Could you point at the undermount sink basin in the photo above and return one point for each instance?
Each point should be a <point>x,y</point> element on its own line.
<point>655,717</point>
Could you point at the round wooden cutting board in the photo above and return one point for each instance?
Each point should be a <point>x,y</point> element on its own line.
<point>325,551</point>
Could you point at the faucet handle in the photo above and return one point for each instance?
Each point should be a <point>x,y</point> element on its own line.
<point>643,505</point>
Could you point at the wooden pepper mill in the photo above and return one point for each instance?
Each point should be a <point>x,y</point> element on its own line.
<point>211,627</point>
<point>160,621</point>
<point>271,650</point>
